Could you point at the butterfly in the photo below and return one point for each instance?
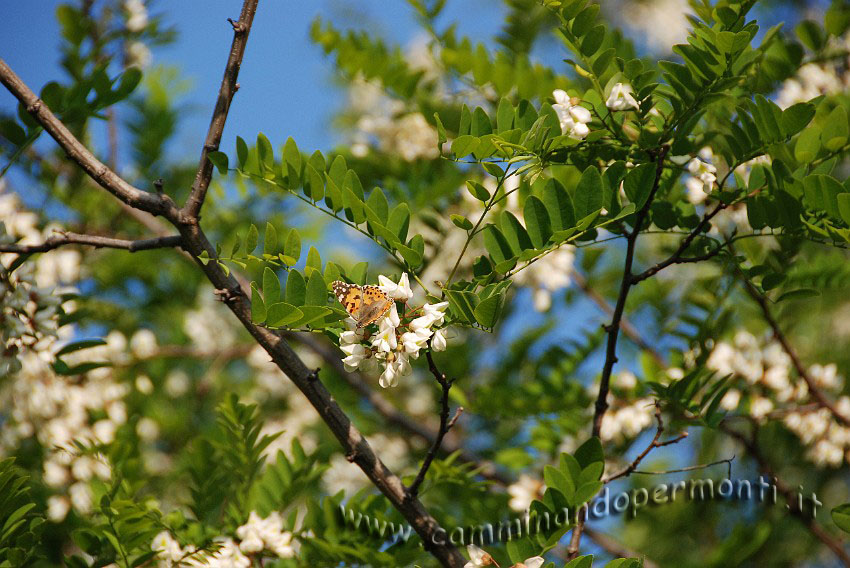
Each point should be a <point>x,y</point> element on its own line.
<point>366,304</point>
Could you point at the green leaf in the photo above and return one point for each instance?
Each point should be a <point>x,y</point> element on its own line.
<point>537,221</point>
<point>282,314</point>
<point>292,245</point>
<point>461,222</point>
<point>638,184</point>
<point>799,294</point>
<point>488,310</point>
<point>841,517</point>
<point>296,288</point>
<point>515,233</point>
<point>521,549</point>
<point>265,153</point>
<point>311,316</point>
<point>796,117</point>
<point>559,205</point>
<point>378,203</point>
<point>589,452</point>
<point>771,281</point>
<point>588,194</point>
<point>271,286</point>
<point>220,161</point>
<point>584,20</point>
<point>808,145</point>
<point>317,290</point>
<point>835,132</point>
<point>399,221</point>
<point>270,240</point>
<point>464,145</point>
<point>593,40</point>
<point>557,479</point>
<point>821,192</point>
<point>314,186</point>
<point>357,274</point>
<point>478,191</point>
<point>78,345</point>
<point>462,304</point>
<point>811,34</point>
<point>252,239</point>
<point>581,562</point>
<point>504,115</point>
<point>843,200</point>
<point>314,261</point>
<point>496,244</point>
<point>291,154</point>
<point>480,123</point>
<point>258,308</point>
<point>241,152</point>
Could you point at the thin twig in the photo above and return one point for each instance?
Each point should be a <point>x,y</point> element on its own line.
<point>445,423</point>
<point>228,88</point>
<point>62,238</point>
<point>727,461</point>
<point>655,443</point>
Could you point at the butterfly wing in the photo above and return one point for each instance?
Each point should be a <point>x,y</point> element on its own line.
<point>350,296</point>
<point>376,304</point>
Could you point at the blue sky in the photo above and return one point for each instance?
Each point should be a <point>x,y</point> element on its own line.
<point>286,82</point>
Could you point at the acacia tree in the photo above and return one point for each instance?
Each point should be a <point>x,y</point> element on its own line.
<point>699,202</point>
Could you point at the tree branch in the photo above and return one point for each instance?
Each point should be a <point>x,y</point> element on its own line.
<point>63,238</point>
<point>614,327</point>
<point>97,170</point>
<point>815,391</point>
<point>445,423</point>
<point>655,443</point>
<point>228,88</point>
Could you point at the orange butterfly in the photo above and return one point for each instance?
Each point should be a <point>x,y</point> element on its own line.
<point>366,304</point>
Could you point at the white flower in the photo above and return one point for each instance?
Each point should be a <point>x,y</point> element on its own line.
<point>422,322</point>
<point>137,15</point>
<point>398,367</point>
<point>55,474</point>
<point>621,98</point>
<point>144,384</point>
<point>534,562</point>
<point>143,344</point>
<point>57,508</point>
<point>478,558</point>
<point>138,55</point>
<point>573,118</point>
<point>703,171</point>
<point>760,407</point>
<point>523,492</point>
<point>413,341</point>
<point>356,353</point>
<point>438,340</point>
<point>436,311</point>
<point>625,380</point>
<point>147,429</point>
<point>81,497</point>
<point>730,400</point>
<point>385,340</point>
<point>400,291</point>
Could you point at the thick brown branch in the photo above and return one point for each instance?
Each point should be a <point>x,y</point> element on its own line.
<point>97,170</point>
<point>445,423</point>
<point>63,238</point>
<point>228,88</point>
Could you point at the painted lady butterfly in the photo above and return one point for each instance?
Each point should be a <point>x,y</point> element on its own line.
<point>366,304</point>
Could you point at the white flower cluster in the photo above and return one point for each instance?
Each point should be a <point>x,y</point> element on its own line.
<point>479,559</point>
<point>703,178</point>
<point>208,326</point>
<point>573,117</point>
<point>256,536</point>
<point>524,491</point>
<point>766,373</point>
<point>396,341</point>
<point>384,120</point>
<point>548,275</point>
<point>621,98</point>
<point>171,555</point>
<point>260,534</point>
<point>625,421</point>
